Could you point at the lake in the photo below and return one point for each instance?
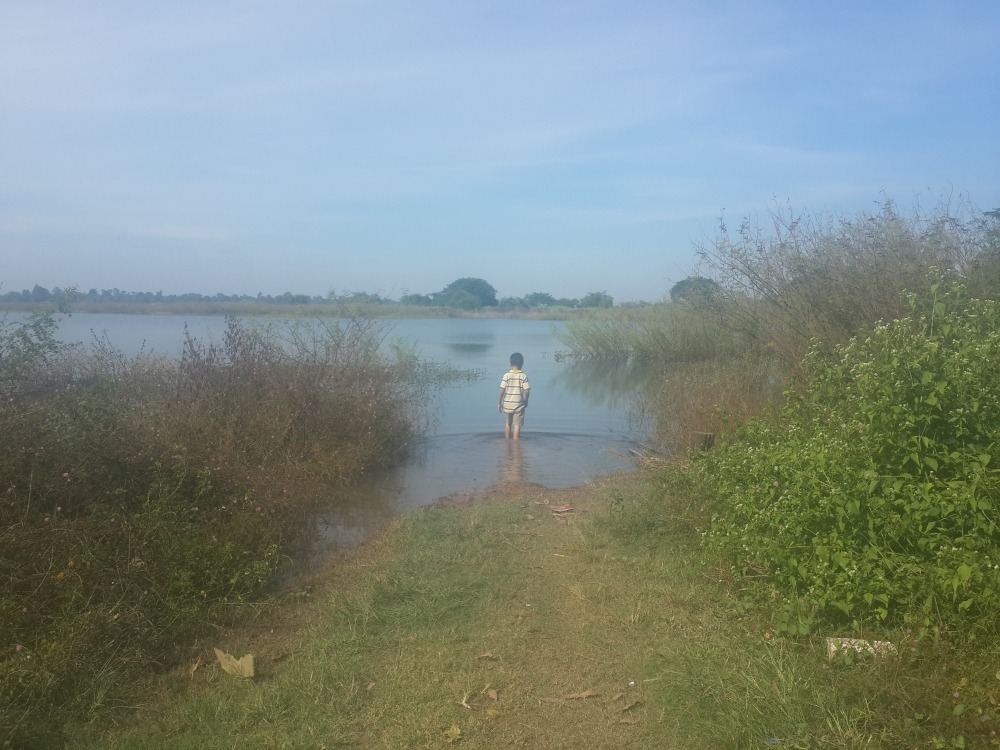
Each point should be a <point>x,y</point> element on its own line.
<point>580,424</point>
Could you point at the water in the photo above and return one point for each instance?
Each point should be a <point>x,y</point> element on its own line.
<point>577,427</point>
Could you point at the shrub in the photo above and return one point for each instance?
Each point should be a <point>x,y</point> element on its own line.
<point>144,498</point>
<point>874,497</point>
<point>807,278</point>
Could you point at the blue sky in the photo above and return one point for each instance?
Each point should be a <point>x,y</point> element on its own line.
<point>393,146</point>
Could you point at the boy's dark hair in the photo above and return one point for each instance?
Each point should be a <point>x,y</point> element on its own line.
<point>517,359</point>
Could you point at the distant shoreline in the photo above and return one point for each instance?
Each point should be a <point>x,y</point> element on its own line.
<point>308,310</point>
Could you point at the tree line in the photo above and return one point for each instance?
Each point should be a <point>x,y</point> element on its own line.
<point>463,294</point>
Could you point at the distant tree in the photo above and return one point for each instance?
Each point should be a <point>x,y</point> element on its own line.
<point>539,299</point>
<point>694,289</point>
<point>597,299</point>
<point>40,294</point>
<point>419,300</point>
<point>483,294</point>
<point>567,302</point>
<point>457,298</point>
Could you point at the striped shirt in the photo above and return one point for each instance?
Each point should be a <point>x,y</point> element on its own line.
<point>516,387</point>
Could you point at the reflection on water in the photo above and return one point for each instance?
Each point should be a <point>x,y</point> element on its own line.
<point>512,467</point>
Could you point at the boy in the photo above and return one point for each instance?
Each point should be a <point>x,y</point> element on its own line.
<point>514,391</point>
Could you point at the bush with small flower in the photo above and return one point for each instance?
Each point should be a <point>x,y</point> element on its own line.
<point>875,497</point>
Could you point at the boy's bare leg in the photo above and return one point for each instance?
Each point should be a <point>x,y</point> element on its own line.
<point>506,428</point>
<point>517,431</point>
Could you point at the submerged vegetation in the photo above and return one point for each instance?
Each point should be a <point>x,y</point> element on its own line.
<point>145,498</point>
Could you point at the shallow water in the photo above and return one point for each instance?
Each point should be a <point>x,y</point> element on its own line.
<point>579,424</point>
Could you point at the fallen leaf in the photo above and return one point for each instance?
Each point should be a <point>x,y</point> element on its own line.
<point>194,667</point>
<point>561,508</point>
<point>492,694</point>
<point>487,655</point>
<point>582,696</point>
<point>453,734</point>
<point>239,667</point>
<point>531,517</point>
<point>492,713</point>
<point>630,706</point>
<point>371,686</point>
<point>627,720</point>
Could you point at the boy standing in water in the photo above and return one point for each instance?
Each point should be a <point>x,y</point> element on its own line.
<point>514,391</point>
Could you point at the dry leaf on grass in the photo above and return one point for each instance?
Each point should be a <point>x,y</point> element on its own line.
<point>581,696</point>
<point>453,734</point>
<point>487,655</point>
<point>561,508</point>
<point>239,667</point>
<point>194,667</point>
<point>492,694</point>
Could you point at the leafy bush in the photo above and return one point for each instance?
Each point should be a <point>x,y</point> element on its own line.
<point>875,497</point>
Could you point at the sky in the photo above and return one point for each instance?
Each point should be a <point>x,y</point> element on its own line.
<point>393,146</point>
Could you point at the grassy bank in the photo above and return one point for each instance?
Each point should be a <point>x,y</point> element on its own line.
<point>505,624</point>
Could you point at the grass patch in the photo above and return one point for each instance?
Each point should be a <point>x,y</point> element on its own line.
<point>502,624</point>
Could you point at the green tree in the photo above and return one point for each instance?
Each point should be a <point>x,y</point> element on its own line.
<point>597,299</point>
<point>481,292</point>
<point>539,299</point>
<point>694,289</point>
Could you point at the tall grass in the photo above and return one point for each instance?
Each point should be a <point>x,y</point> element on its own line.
<point>144,498</point>
<point>794,280</point>
<point>661,333</point>
<point>782,286</point>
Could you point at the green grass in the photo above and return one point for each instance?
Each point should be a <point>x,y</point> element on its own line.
<point>502,624</point>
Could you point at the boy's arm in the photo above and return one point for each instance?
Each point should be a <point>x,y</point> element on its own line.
<point>503,391</point>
